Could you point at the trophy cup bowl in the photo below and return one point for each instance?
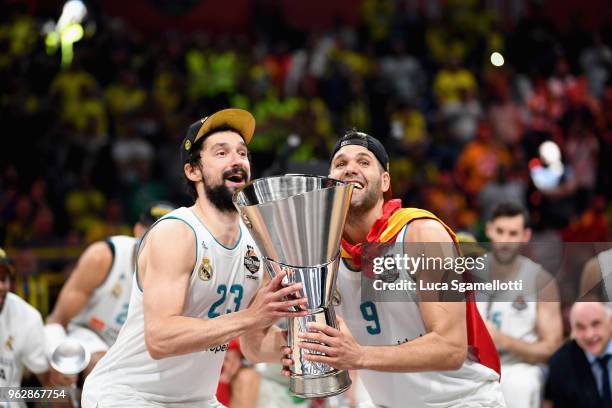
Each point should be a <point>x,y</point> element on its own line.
<point>297,223</point>
<point>70,358</point>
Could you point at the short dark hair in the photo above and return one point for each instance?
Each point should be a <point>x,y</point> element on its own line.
<point>510,209</point>
<point>193,157</point>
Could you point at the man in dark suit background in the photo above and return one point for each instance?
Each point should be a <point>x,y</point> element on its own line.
<point>579,375</point>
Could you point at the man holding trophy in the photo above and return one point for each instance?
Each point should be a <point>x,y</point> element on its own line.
<point>197,269</point>
<point>444,355</point>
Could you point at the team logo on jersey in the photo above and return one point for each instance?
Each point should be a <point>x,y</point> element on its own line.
<point>251,261</point>
<point>389,275</point>
<point>519,303</point>
<point>336,298</point>
<point>9,343</point>
<point>117,289</point>
<point>205,271</point>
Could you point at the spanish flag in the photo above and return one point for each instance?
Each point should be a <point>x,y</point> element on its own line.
<point>385,230</point>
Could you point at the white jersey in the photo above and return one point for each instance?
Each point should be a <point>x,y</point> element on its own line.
<point>605,263</point>
<point>375,323</point>
<point>516,316</point>
<point>21,343</point>
<point>107,309</point>
<point>223,281</point>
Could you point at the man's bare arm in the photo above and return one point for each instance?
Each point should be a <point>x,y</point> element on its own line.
<point>590,280</point>
<point>167,261</point>
<point>443,346</point>
<point>89,273</point>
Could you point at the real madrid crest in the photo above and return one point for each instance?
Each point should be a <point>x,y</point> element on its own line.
<point>9,343</point>
<point>205,270</point>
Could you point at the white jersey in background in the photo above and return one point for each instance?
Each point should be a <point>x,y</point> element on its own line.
<point>605,264</point>
<point>223,281</point>
<point>392,323</point>
<point>21,343</point>
<point>516,316</point>
<point>107,309</point>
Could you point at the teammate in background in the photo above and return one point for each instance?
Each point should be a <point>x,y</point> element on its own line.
<point>596,279</point>
<point>409,353</point>
<point>197,270</point>
<point>526,327</point>
<point>21,336</point>
<point>93,304</point>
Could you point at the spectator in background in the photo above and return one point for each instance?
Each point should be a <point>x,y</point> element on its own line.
<point>504,114</point>
<point>452,80</point>
<point>461,117</point>
<point>526,327</point>
<point>501,189</point>
<point>404,74</point>
<point>479,161</point>
<point>596,63</point>
<point>579,372</point>
<point>447,199</point>
<point>409,128</point>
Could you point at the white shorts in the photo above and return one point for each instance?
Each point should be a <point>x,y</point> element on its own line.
<point>522,385</point>
<point>88,338</point>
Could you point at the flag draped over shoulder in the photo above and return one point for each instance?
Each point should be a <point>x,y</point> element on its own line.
<point>385,230</point>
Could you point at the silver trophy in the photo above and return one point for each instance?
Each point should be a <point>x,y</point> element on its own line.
<point>297,223</point>
<point>70,358</point>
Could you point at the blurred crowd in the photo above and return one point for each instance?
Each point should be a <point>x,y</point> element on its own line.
<point>87,146</point>
<point>462,100</point>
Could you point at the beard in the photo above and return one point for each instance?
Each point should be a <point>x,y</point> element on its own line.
<point>220,195</point>
<point>506,257</point>
<point>366,202</point>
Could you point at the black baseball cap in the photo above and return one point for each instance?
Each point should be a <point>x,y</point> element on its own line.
<point>374,145</point>
<point>154,212</point>
<point>239,119</point>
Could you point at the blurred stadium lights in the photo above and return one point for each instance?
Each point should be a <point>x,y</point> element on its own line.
<point>497,59</point>
<point>67,31</point>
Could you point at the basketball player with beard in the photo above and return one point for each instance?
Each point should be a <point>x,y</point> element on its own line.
<point>412,353</point>
<point>197,271</point>
<point>526,327</point>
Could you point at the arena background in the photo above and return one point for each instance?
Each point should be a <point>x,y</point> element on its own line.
<point>87,142</point>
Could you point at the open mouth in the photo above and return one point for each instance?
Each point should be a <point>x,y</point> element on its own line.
<point>237,178</point>
<point>356,184</point>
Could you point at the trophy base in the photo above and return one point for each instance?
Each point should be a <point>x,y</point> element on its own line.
<point>319,386</point>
